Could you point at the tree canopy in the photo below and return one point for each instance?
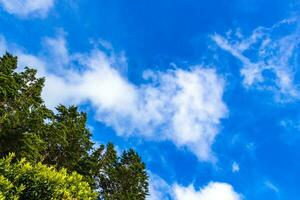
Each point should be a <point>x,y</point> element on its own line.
<point>60,140</point>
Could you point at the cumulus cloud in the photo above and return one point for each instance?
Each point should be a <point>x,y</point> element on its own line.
<point>183,106</point>
<point>26,8</point>
<point>212,191</point>
<point>159,189</point>
<point>267,53</point>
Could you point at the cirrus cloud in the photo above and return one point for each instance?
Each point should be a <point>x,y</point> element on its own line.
<point>26,8</point>
<point>269,56</point>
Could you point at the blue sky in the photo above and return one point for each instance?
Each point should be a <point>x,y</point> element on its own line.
<point>206,91</point>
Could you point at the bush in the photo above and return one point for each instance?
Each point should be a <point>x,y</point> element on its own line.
<point>22,180</point>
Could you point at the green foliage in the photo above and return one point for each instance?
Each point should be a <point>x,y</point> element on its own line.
<point>32,131</point>
<point>22,180</point>
<point>119,178</point>
<point>68,140</point>
<point>22,112</point>
<point>127,178</point>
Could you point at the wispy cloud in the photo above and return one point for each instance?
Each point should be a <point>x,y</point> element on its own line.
<point>235,167</point>
<point>3,45</point>
<point>26,8</point>
<point>267,52</point>
<point>271,186</point>
<point>159,189</point>
<point>183,106</point>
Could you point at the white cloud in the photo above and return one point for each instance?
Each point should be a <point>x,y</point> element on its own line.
<point>3,45</point>
<point>26,8</point>
<point>235,167</point>
<point>267,50</point>
<point>293,125</point>
<point>57,49</point>
<point>183,106</point>
<point>271,186</point>
<point>213,191</point>
<point>159,189</point>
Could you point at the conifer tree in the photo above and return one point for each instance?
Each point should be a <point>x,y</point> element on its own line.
<point>61,139</point>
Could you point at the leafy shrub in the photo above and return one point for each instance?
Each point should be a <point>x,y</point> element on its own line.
<point>22,180</point>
